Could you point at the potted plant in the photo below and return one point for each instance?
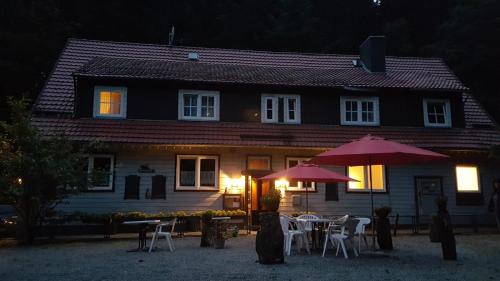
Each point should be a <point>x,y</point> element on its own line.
<point>271,201</point>
<point>269,240</point>
<point>444,229</point>
<point>384,238</point>
<point>207,229</point>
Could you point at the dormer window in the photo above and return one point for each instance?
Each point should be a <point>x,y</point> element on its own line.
<point>110,102</point>
<point>198,105</point>
<point>280,109</point>
<point>437,113</point>
<point>362,111</point>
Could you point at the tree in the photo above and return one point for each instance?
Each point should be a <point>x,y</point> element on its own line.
<point>36,173</point>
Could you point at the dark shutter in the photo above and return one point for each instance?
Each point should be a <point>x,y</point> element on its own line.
<point>158,187</point>
<point>281,110</point>
<point>331,192</point>
<point>132,187</point>
<point>469,199</point>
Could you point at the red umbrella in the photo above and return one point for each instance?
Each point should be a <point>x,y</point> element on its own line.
<point>310,173</point>
<point>371,150</point>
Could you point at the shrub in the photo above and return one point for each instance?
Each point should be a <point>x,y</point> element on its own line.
<point>383,212</point>
<point>271,201</point>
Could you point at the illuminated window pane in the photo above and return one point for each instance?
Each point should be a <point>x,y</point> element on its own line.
<point>258,163</point>
<point>467,179</point>
<point>357,173</point>
<point>378,177</point>
<point>362,174</point>
<point>109,103</point>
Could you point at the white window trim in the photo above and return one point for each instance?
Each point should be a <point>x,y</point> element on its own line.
<point>198,116</point>
<point>478,179</point>
<point>286,117</point>
<point>97,102</point>
<point>300,186</point>
<point>366,188</point>
<point>359,100</point>
<point>447,114</point>
<point>196,186</point>
<point>90,167</point>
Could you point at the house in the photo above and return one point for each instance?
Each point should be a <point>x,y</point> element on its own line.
<point>189,128</point>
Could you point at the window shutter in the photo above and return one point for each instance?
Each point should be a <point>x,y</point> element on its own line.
<point>281,110</point>
<point>158,187</point>
<point>331,192</point>
<point>132,187</point>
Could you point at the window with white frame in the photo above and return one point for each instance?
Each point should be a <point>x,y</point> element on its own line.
<point>437,113</point>
<point>467,179</point>
<point>298,185</point>
<point>197,172</point>
<point>110,102</point>
<point>273,105</point>
<point>362,175</point>
<point>198,105</point>
<point>359,111</point>
<point>100,169</point>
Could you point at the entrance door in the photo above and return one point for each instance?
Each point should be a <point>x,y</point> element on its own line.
<point>258,189</point>
<point>427,189</point>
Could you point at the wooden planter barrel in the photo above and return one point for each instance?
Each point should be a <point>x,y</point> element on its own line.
<point>269,240</point>
<point>384,237</point>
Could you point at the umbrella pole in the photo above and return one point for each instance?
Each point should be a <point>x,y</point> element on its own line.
<point>371,199</point>
<point>307,200</point>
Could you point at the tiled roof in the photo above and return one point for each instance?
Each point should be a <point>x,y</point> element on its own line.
<point>428,73</point>
<point>257,134</point>
<point>267,75</point>
<point>475,114</point>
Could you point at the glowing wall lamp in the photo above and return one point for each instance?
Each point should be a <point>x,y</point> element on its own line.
<point>281,185</point>
<point>235,185</point>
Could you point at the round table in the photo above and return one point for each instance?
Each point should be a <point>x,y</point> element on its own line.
<point>320,224</point>
<point>143,226</point>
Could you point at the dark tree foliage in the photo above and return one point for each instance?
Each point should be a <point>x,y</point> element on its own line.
<point>33,32</point>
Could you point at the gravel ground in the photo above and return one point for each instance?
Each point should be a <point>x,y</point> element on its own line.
<point>414,259</point>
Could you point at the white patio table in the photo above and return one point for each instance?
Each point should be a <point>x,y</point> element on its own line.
<point>318,224</point>
<point>143,225</point>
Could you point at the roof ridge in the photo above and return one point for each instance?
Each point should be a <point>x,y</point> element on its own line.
<point>247,50</point>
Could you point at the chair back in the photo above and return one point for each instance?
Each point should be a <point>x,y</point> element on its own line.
<point>308,225</point>
<point>284,221</point>
<point>363,222</point>
<point>174,221</point>
<point>340,220</point>
<point>351,226</point>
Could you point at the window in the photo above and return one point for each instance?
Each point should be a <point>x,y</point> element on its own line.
<point>362,174</point>
<point>298,185</point>
<point>280,109</point>
<point>198,105</point>
<point>100,169</point>
<point>359,111</point>
<point>262,163</point>
<point>197,172</point>
<point>110,102</point>
<point>467,179</point>
<point>437,113</point>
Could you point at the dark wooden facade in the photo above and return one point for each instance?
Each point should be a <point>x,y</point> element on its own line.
<point>158,100</point>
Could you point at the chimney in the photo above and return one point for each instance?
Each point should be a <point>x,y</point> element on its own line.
<point>372,53</point>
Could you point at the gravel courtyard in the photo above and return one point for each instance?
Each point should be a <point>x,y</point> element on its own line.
<point>414,259</point>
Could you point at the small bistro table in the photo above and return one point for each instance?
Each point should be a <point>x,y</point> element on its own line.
<point>143,226</point>
<point>316,223</point>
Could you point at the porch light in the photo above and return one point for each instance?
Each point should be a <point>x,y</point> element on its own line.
<point>281,185</point>
<point>235,185</point>
<point>19,181</point>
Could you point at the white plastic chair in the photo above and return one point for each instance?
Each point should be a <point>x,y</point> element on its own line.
<point>339,239</point>
<point>308,225</point>
<point>289,234</point>
<point>360,231</point>
<point>161,230</point>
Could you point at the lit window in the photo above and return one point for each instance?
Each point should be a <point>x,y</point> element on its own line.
<point>298,185</point>
<point>437,113</point>
<point>198,105</point>
<point>362,174</point>
<point>280,109</point>
<point>467,179</point>
<point>100,170</point>
<point>110,102</point>
<point>359,111</point>
<point>262,163</point>
<point>197,172</point>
